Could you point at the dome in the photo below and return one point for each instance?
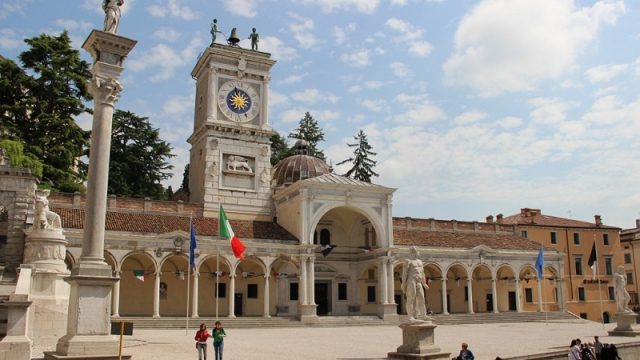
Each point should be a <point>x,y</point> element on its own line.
<point>298,167</point>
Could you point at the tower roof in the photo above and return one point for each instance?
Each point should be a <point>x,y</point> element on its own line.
<point>298,167</point>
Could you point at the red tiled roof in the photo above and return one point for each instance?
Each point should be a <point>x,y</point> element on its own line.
<point>158,224</point>
<point>547,220</point>
<point>465,240</point>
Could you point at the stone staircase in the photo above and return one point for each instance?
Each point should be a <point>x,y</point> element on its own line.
<point>505,317</point>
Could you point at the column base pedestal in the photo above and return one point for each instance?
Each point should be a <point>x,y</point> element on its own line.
<point>389,313</point>
<point>418,342</point>
<point>308,314</point>
<point>627,325</point>
<point>54,356</point>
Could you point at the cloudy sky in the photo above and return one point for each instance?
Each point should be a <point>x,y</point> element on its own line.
<point>474,107</point>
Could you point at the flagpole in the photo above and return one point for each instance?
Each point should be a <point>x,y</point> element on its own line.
<point>186,328</point>
<point>217,278</point>
<point>598,280</point>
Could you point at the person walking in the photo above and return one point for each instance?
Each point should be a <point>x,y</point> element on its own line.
<point>574,350</point>
<point>218,340</point>
<point>201,342</point>
<point>597,346</point>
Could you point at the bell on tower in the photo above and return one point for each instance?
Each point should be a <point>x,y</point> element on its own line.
<point>233,39</point>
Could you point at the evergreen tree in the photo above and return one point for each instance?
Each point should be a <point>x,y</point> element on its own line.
<point>279,148</point>
<point>362,163</point>
<point>138,160</point>
<point>185,179</point>
<point>309,130</point>
<point>39,103</point>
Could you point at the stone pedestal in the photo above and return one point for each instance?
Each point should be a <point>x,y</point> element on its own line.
<point>308,314</point>
<point>418,342</point>
<point>627,325</point>
<point>17,345</point>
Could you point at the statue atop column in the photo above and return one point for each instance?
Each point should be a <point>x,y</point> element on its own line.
<point>622,296</point>
<point>112,15</point>
<point>214,30</point>
<point>414,286</point>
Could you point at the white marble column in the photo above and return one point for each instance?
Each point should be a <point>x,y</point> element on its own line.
<point>382,282</point>
<point>390,282</point>
<point>194,295</point>
<point>518,302</point>
<point>312,280</point>
<point>540,307</point>
<point>494,298</point>
<point>302,287</point>
<point>156,296</point>
<point>265,104</point>
<point>115,301</point>
<point>212,102</point>
<point>445,308</point>
<point>232,295</point>
<point>560,287</point>
<point>266,296</point>
<point>470,295</point>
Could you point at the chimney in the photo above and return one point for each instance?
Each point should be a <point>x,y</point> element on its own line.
<point>499,218</point>
<point>490,219</point>
<point>598,220</point>
<point>637,223</point>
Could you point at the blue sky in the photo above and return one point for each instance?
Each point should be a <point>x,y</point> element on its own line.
<point>474,107</point>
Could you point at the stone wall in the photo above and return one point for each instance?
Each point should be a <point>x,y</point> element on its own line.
<point>67,200</point>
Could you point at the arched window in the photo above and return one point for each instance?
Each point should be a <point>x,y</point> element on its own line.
<point>325,237</point>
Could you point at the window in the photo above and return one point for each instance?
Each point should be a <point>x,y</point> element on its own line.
<point>608,265</point>
<point>293,291</point>
<point>612,294</point>
<point>371,294</point>
<point>325,237</point>
<point>342,291</point>
<point>222,290</point>
<point>252,291</point>
<point>528,295</point>
<point>578,264</point>
<point>629,278</point>
<point>627,258</point>
<point>554,237</point>
<point>581,295</point>
<point>605,239</point>
<point>371,274</point>
<point>523,233</point>
<point>576,238</point>
<point>583,316</point>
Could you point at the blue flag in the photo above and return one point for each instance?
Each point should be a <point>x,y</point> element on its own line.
<point>192,248</point>
<point>540,262</point>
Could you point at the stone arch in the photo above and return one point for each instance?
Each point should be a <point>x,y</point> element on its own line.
<point>368,213</point>
<point>214,270</point>
<point>482,290</point>
<point>368,291</point>
<point>137,284</point>
<point>529,284</point>
<point>174,283</point>
<point>249,283</point>
<point>283,284</point>
<point>506,288</point>
<point>434,276</point>
<point>70,260</point>
<point>457,292</point>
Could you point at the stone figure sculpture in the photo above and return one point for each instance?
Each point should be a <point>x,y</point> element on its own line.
<point>4,159</point>
<point>414,286</point>
<point>254,39</point>
<point>45,218</point>
<point>238,163</point>
<point>112,15</point>
<point>622,296</point>
<point>214,30</point>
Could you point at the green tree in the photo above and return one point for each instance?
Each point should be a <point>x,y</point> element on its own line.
<point>138,160</point>
<point>185,179</point>
<point>362,163</point>
<point>279,148</point>
<point>309,130</point>
<point>14,150</point>
<point>39,104</point>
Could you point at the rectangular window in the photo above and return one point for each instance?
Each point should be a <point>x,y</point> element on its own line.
<point>612,294</point>
<point>578,264</point>
<point>554,237</point>
<point>605,239</point>
<point>576,238</point>
<point>371,294</point>
<point>581,296</point>
<point>293,291</point>
<point>627,258</point>
<point>252,291</point>
<point>342,291</point>
<point>528,295</point>
<point>583,316</point>
<point>608,265</point>
<point>222,290</point>
<point>629,278</point>
<point>523,233</point>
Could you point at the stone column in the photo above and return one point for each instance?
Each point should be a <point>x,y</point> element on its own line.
<point>210,111</point>
<point>232,295</point>
<point>156,296</point>
<point>265,103</point>
<point>89,322</point>
<point>540,305</point>
<point>518,302</point>
<point>382,282</point>
<point>302,288</point>
<point>390,282</point>
<point>312,280</point>
<point>194,295</point>
<point>494,290</point>
<point>445,308</point>
<point>307,306</point>
<point>560,287</point>
<point>115,306</point>
<point>470,295</point>
<point>266,296</point>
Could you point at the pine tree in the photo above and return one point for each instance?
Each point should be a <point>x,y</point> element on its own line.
<point>362,163</point>
<point>309,130</point>
<point>279,148</point>
<point>185,179</point>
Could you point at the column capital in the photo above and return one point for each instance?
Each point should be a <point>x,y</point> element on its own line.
<point>105,90</point>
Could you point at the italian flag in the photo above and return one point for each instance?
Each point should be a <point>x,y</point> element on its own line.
<point>226,232</point>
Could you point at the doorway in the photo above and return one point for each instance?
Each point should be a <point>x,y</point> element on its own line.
<point>512,301</point>
<point>489,302</point>
<point>323,297</point>
<point>398,299</point>
<point>237,309</point>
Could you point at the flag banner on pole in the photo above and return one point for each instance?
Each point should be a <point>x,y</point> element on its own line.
<point>192,247</point>
<point>226,232</point>
<point>593,260</point>
<point>139,274</point>
<point>540,263</point>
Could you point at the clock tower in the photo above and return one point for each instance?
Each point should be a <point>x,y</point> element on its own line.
<point>230,161</point>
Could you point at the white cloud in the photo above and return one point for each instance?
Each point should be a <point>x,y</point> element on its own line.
<point>409,32</point>
<point>420,48</point>
<point>374,84</point>
<point>71,25</point>
<point>312,96</point>
<point>374,105</point>
<point>423,112</point>
<point>246,8</point>
<point>510,122</point>
<point>167,34</point>
<point>277,48</point>
<point>178,105</point>
<point>10,7</point>
<point>469,117</point>
<point>341,34</point>
<point>549,110</point>
<point>172,8</point>
<point>604,73</point>
<point>354,89</point>
<point>277,99</point>
<point>302,30</point>
<point>357,58</point>
<point>504,46</point>
<point>400,69</point>
<point>165,58</point>
<point>327,6</point>
<point>9,39</point>
<point>295,114</point>
<point>292,79</point>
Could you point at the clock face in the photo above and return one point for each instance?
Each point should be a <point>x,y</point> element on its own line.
<point>238,101</point>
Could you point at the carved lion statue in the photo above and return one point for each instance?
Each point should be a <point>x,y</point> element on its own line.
<point>238,163</point>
